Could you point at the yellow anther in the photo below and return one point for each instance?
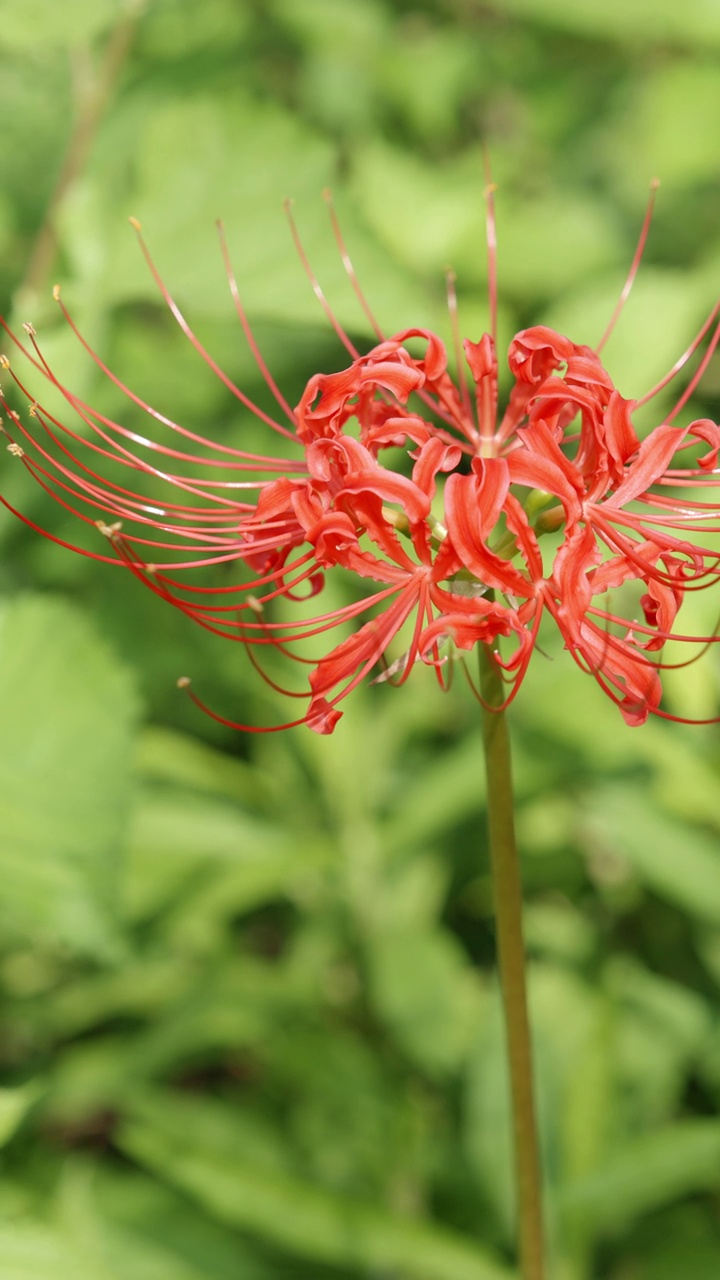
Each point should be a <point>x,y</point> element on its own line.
<point>56,292</point>
<point>16,450</point>
<point>183,682</point>
<point>135,223</point>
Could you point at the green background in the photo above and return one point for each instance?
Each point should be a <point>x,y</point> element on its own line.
<point>249,1022</point>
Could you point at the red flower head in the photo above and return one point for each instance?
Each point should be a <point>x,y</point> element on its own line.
<point>445,548</point>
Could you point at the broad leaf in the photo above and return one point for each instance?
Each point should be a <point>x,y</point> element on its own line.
<point>68,714</point>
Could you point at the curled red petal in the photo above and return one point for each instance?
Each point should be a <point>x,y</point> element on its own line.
<point>481,357</point>
<point>472,506</point>
<point>541,464</point>
<point>322,716</point>
<point>620,434</point>
<point>534,353</point>
<point>706,429</point>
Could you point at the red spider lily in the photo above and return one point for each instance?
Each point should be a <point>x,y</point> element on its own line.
<point>621,521</point>
<point>454,559</point>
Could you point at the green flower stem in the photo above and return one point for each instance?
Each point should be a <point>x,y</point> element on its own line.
<point>507,891</point>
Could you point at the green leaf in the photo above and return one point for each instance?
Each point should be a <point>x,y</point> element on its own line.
<point>136,990</point>
<point>33,1251</point>
<point>154,1233</point>
<point>552,241</point>
<point>652,1171</point>
<point>160,1238</point>
<point>674,860</point>
<point>165,755</point>
<point>14,1106</point>
<point>432,215</point>
<point>685,1245</point>
<point>74,22</point>
<point>68,715</point>
<point>663,1034</point>
<point>572,1066</point>
<point>556,929</point>
<point>426,215</point>
<point>174,30</point>
<point>423,988</point>
<point>229,859</point>
<point>341,42</point>
<point>428,75</point>
<point>446,792</point>
<point>202,159</point>
<point>695,23</point>
<point>671,124</point>
<point>238,159</point>
<point>310,1222</point>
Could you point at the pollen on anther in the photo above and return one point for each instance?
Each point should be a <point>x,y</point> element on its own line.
<point>135,223</point>
<point>256,605</point>
<point>56,292</point>
<point>4,362</point>
<point>16,450</point>
<point>29,329</point>
<point>183,682</point>
<point>108,530</point>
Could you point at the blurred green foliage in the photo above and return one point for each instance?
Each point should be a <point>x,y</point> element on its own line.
<point>249,1020</point>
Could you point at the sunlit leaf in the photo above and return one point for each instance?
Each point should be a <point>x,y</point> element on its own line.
<point>697,23</point>
<point>68,714</point>
<point>74,23</point>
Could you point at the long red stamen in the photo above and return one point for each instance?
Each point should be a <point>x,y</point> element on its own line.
<point>196,343</point>
<point>349,268</point>
<point>247,330</point>
<point>689,390</point>
<point>315,284</point>
<point>682,361</point>
<point>637,258</point>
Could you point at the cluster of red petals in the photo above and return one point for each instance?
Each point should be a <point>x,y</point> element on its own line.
<point>446,544</point>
